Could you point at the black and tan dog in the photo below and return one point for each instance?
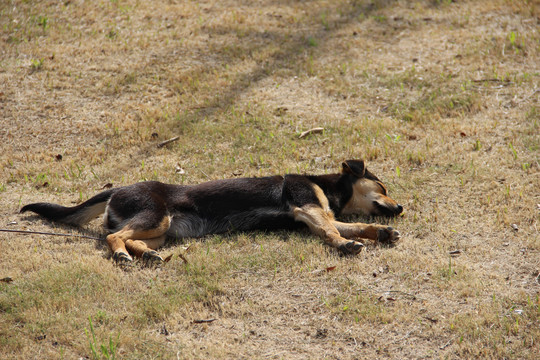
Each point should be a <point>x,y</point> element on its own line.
<point>140,217</point>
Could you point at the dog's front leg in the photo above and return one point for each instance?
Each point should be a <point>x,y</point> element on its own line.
<point>378,233</point>
<point>320,223</point>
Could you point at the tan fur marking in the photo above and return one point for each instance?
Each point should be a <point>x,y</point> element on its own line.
<point>357,230</point>
<point>116,242</point>
<point>365,191</point>
<point>153,233</point>
<point>323,200</point>
<point>90,213</point>
<point>138,247</point>
<point>139,240</point>
<point>320,223</point>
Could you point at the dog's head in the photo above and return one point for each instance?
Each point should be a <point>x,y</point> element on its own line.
<point>369,195</point>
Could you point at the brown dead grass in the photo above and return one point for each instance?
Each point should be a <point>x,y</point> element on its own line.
<point>441,97</point>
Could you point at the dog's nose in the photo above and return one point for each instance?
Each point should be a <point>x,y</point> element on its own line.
<point>399,209</point>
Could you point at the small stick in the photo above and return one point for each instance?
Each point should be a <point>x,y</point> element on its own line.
<point>49,233</point>
<point>446,345</point>
<point>163,143</point>
<point>203,321</point>
<point>490,80</point>
<point>316,130</point>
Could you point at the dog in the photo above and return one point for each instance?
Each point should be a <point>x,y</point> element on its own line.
<point>140,217</point>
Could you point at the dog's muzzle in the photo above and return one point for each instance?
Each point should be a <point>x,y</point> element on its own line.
<point>388,211</point>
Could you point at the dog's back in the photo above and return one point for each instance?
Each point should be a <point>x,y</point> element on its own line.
<point>230,205</point>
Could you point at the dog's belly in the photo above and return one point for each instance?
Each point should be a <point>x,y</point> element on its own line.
<point>192,225</point>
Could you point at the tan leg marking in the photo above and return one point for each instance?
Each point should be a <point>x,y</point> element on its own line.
<point>381,233</point>
<point>319,222</point>
<point>139,247</point>
<point>323,200</point>
<point>137,241</point>
<point>116,242</point>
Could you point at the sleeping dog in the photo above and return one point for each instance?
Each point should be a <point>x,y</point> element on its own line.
<point>140,217</point>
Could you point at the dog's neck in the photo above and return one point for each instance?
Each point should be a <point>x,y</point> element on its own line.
<point>337,188</point>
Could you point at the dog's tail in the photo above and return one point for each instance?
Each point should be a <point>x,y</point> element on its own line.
<point>76,215</point>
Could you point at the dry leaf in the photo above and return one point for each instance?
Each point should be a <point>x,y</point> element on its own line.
<point>178,169</point>
<point>181,256</point>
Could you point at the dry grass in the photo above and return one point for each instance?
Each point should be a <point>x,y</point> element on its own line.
<point>441,97</point>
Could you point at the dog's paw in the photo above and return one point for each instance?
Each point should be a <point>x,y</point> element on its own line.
<point>387,235</point>
<point>351,247</point>
<point>151,257</point>
<point>121,257</point>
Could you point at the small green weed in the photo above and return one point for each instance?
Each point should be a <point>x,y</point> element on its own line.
<point>43,21</point>
<point>106,351</point>
<point>514,152</point>
<point>311,41</point>
<point>112,34</point>
<point>36,64</point>
<point>324,21</point>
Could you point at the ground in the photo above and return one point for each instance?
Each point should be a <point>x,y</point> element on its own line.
<point>439,97</point>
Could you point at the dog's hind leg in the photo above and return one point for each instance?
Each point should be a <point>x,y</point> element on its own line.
<point>320,223</point>
<point>140,237</point>
<point>374,232</point>
<point>146,249</point>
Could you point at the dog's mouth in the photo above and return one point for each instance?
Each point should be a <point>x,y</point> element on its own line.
<point>384,210</point>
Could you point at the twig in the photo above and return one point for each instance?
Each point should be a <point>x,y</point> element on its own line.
<point>163,143</point>
<point>316,130</point>
<point>205,174</point>
<point>49,233</point>
<point>490,80</point>
<point>203,321</point>
<point>446,345</point>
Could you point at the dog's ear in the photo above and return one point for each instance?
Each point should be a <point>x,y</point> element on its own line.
<point>354,167</point>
